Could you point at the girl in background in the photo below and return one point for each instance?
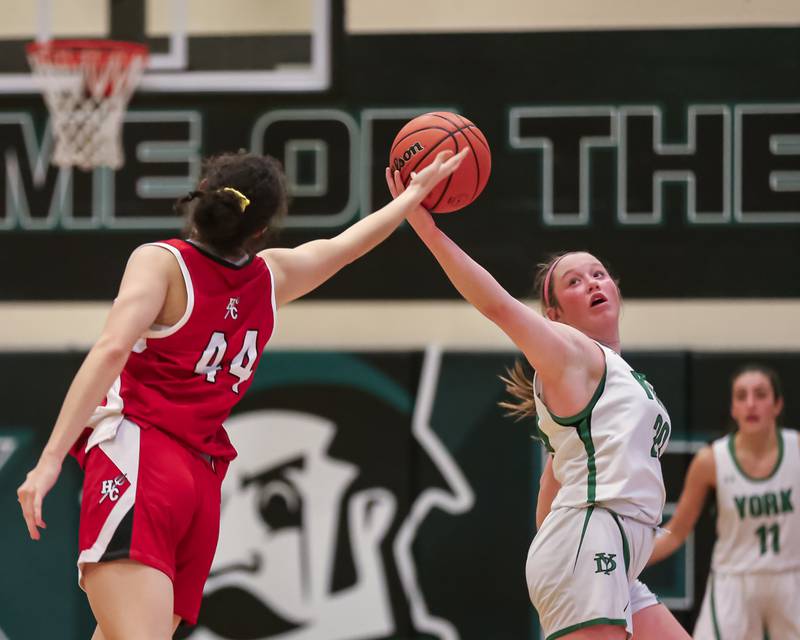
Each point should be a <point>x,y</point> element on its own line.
<point>606,428</point>
<point>754,583</point>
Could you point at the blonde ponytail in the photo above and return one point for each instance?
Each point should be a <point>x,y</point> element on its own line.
<point>519,385</point>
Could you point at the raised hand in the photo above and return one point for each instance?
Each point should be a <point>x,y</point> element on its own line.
<point>422,183</point>
<point>442,166</point>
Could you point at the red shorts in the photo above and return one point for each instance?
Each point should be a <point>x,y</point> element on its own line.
<point>148,498</point>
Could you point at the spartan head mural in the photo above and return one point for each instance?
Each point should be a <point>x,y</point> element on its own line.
<point>337,469</point>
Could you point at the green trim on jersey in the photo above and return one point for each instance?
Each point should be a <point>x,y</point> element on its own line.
<point>587,410</point>
<point>617,622</point>
<point>626,551</point>
<point>583,533</point>
<point>583,423</point>
<point>714,611</point>
<point>585,434</point>
<point>543,437</point>
<point>732,450</point>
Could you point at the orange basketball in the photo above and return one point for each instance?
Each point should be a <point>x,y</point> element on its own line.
<point>417,144</point>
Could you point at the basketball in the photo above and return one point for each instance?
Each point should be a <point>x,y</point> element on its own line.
<point>420,140</point>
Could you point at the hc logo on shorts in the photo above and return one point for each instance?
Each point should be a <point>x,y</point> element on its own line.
<point>110,488</point>
<point>605,562</point>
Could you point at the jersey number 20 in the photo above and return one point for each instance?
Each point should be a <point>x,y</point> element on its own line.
<point>241,366</point>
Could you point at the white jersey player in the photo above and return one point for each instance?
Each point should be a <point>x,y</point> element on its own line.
<point>584,562</point>
<point>755,567</point>
<point>578,377</point>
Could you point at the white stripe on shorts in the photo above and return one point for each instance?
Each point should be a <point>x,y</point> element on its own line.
<point>123,451</point>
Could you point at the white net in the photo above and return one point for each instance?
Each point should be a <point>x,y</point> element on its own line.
<point>87,86</point>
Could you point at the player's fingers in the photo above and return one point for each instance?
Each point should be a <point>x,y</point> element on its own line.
<point>442,156</point>
<point>27,513</point>
<point>457,159</point>
<point>390,182</point>
<point>24,498</point>
<point>398,182</point>
<point>37,510</point>
<point>33,532</point>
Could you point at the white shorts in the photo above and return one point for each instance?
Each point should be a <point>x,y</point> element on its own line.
<point>582,569</point>
<point>742,606</point>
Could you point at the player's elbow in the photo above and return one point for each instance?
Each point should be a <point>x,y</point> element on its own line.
<point>498,311</point>
<point>111,349</point>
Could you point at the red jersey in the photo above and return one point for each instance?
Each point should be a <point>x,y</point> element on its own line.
<point>185,379</point>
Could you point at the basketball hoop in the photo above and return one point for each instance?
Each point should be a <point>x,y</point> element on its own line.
<point>87,85</point>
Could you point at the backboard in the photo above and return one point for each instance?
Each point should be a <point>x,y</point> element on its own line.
<point>209,46</point>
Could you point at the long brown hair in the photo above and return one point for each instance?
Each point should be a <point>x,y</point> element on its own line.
<point>519,377</point>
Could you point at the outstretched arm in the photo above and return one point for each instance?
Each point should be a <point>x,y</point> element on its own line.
<point>141,297</point>
<point>554,349</point>
<point>302,269</point>
<point>700,478</point>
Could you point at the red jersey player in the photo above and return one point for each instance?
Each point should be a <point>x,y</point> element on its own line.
<point>178,350</point>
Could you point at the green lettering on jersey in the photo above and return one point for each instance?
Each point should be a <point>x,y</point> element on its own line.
<point>764,505</point>
<point>766,533</point>
<point>756,508</point>
<point>771,504</point>
<point>648,388</point>
<point>740,505</point>
<point>642,380</point>
<point>786,501</point>
<point>661,437</point>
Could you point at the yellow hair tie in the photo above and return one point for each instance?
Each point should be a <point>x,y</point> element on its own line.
<point>244,202</point>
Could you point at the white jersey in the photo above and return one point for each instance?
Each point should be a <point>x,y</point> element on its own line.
<point>758,526</point>
<point>609,453</point>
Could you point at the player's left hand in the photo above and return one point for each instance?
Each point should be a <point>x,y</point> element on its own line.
<point>419,217</point>
<point>31,493</point>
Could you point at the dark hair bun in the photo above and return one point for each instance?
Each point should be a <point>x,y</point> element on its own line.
<point>230,181</point>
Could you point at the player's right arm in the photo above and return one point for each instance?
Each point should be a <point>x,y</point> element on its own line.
<point>700,479</point>
<point>302,269</point>
<point>555,350</point>
<point>141,297</point>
